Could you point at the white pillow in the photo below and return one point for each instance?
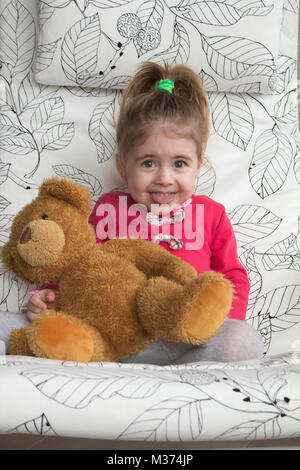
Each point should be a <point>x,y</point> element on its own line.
<point>99,43</point>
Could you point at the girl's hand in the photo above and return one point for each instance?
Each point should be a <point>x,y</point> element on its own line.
<point>37,302</point>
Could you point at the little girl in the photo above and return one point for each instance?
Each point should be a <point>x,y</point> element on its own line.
<point>162,134</point>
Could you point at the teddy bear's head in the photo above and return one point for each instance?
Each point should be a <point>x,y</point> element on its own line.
<point>51,233</point>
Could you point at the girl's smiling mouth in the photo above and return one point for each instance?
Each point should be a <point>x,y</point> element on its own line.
<point>162,198</point>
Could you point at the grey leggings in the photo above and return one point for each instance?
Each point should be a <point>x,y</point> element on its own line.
<point>235,341</point>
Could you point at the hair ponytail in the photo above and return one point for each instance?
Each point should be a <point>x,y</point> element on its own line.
<point>143,104</point>
<point>144,82</point>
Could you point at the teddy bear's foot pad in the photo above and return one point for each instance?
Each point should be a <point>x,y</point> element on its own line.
<point>208,309</point>
<point>61,338</point>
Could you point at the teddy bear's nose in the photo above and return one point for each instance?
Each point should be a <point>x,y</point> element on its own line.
<point>26,236</point>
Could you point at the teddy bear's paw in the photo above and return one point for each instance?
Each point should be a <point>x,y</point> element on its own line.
<point>18,345</point>
<point>60,337</point>
<point>208,302</point>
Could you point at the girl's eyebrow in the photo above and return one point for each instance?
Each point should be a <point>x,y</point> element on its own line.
<point>142,157</point>
<point>176,157</point>
<point>186,157</point>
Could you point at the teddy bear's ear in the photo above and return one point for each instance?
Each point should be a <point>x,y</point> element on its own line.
<point>66,190</point>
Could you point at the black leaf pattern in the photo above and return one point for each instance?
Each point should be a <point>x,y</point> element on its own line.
<point>217,13</point>
<point>292,5</point>
<point>284,254</point>
<point>232,118</point>
<point>179,50</point>
<point>206,180</point>
<point>151,13</point>
<point>158,422</point>
<point>108,3</point>
<point>44,56</point>
<point>252,223</point>
<point>275,311</point>
<point>286,110</point>
<point>254,429</point>
<point>17,32</point>
<point>4,203</point>
<point>254,276</point>
<point>285,72</point>
<point>47,114</point>
<point>58,136</point>
<point>208,81</point>
<point>287,314</point>
<point>45,13</point>
<point>101,130</point>
<point>232,57</point>
<point>4,170</point>
<point>80,49</point>
<point>8,127</point>
<point>5,223</point>
<point>297,167</point>
<point>241,56</point>
<point>30,94</point>
<point>39,425</point>
<point>17,145</point>
<point>271,161</point>
<point>6,282</point>
<point>77,390</point>
<point>57,3</point>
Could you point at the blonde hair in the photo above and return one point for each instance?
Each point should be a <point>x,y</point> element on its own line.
<point>144,106</point>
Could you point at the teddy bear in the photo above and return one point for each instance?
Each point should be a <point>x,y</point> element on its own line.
<point>114,298</point>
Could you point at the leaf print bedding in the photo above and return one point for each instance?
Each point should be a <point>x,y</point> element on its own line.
<point>100,44</point>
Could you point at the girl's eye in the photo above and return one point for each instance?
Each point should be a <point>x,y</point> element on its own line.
<point>148,164</point>
<point>179,164</point>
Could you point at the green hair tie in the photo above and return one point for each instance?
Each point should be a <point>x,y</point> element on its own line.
<point>166,85</point>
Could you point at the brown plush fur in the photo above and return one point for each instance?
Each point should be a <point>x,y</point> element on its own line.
<point>113,298</point>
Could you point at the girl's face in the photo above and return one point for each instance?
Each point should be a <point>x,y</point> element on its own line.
<point>161,171</point>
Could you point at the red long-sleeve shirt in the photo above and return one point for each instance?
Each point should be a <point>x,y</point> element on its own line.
<point>207,236</point>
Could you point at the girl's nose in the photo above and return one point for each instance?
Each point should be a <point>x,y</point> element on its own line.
<point>164,177</point>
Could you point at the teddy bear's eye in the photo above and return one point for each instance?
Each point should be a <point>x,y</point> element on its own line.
<point>45,216</point>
